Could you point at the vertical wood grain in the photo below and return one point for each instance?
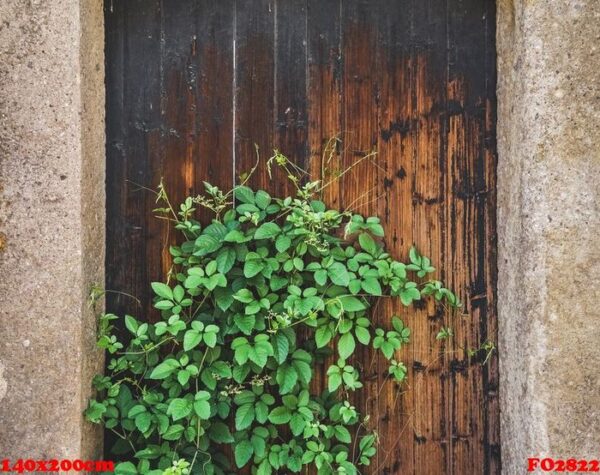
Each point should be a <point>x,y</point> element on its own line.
<point>290,94</point>
<point>193,85</point>
<point>254,87</point>
<point>324,111</point>
<point>471,181</point>
<point>133,124</point>
<point>396,145</point>
<point>215,22</point>
<point>432,413</point>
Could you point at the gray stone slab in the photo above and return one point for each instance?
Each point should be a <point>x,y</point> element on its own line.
<point>51,223</point>
<point>548,228</point>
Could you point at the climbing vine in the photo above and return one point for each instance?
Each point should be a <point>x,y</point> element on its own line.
<point>255,301</point>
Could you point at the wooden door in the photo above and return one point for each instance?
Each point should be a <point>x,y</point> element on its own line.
<point>192,85</point>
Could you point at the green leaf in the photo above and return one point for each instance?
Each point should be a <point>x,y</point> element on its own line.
<point>408,295</point>
<point>191,339</point>
<point>253,267</point>
<point>210,338</point>
<point>135,410</point>
<point>164,369</point>
<point>267,231</point>
<point>323,336</point>
<point>174,432</point>
<point>243,452</point>
<point>352,304</point>
<point>224,297</point>
<point>278,282</point>
<point>334,308</point>
<point>283,243</point>
<point>304,306</point>
<point>387,349</point>
<point>178,293</point>
<point>286,377</point>
<point>245,322</point>
<point>371,286</point>
<point>244,194</point>
<point>346,345</point>
<point>414,256</point>
<point>220,433</point>
<point>252,308</point>
<point>304,371</point>
<point>265,468</point>
<point>235,235</point>
<point>225,260</point>
<point>244,296</point>
<point>216,230</point>
<point>131,324</point>
<point>260,353</point>
<point>143,421</point>
<point>202,409</point>
<point>338,274</point>
<point>297,424</point>
<point>125,468</point>
<point>163,305</point>
<point>244,416</point>
<point>151,452</point>
<point>398,324</point>
<point>95,411</point>
<point>342,434</point>
<point>262,199</point>
<point>280,415</point>
<point>321,277</point>
<point>162,290</point>
<point>206,244</point>
<point>179,408</point>
<point>281,347</point>
<point>363,335</point>
<point>261,411</point>
<point>355,286</point>
<point>334,381</point>
<point>242,353</point>
<point>183,376</point>
<point>193,281</point>
<point>367,243</point>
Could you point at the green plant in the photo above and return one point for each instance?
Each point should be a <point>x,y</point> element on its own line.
<point>255,300</point>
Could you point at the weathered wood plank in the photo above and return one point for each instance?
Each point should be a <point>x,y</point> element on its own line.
<point>431,386</point>
<point>471,182</point>
<point>254,88</point>
<point>396,143</point>
<point>324,110</point>
<point>360,186</point>
<point>193,85</point>
<point>325,94</point>
<point>173,158</point>
<point>290,89</point>
<point>214,83</point>
<point>133,121</point>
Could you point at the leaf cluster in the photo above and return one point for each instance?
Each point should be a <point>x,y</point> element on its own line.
<point>269,290</point>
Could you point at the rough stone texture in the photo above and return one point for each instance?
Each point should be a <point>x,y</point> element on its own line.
<point>549,223</point>
<point>51,223</point>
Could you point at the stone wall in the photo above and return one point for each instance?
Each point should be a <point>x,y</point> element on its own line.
<point>51,223</point>
<point>549,223</point>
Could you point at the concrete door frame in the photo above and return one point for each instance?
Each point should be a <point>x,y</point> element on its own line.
<point>52,226</point>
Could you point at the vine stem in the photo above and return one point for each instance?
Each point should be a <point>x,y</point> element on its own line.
<point>147,350</point>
